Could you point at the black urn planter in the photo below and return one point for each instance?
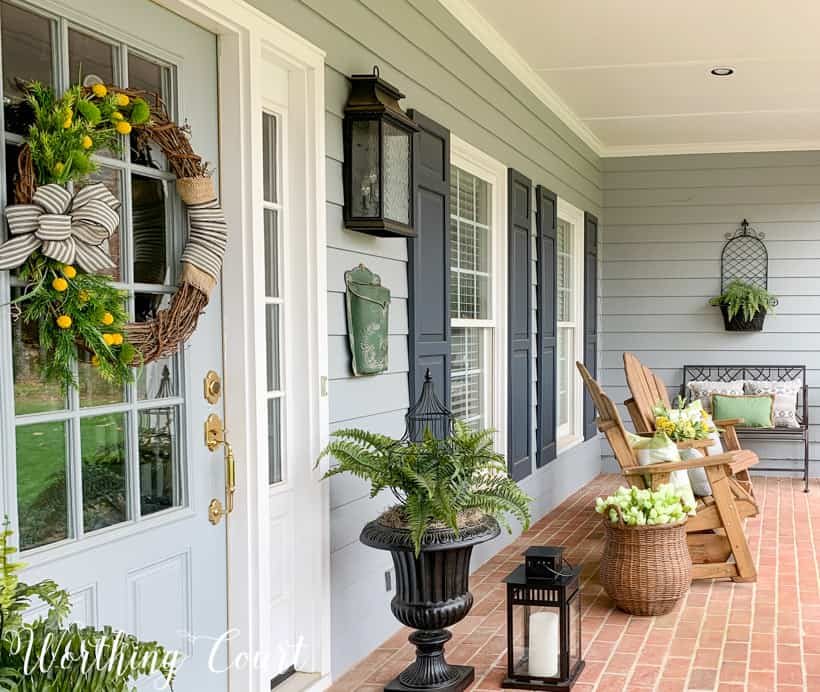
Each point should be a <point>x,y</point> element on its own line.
<point>739,324</point>
<point>432,594</point>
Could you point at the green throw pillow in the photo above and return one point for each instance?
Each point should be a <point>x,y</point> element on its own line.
<point>757,411</point>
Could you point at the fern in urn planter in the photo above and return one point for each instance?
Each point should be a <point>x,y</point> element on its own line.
<point>744,306</point>
<point>451,495</point>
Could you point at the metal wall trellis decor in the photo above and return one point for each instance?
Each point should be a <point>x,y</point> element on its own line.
<point>744,258</point>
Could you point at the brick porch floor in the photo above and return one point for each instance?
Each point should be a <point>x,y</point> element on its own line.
<point>723,636</point>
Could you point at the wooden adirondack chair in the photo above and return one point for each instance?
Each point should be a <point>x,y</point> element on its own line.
<point>648,389</point>
<point>715,535</point>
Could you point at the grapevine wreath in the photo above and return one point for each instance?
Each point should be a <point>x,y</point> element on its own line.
<point>58,235</point>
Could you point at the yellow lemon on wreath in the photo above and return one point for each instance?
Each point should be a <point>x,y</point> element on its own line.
<point>116,115</point>
<point>69,272</point>
<point>87,142</point>
<point>107,319</point>
<point>95,361</point>
<point>108,339</point>
<point>59,284</point>
<point>123,127</point>
<point>64,322</point>
<point>118,339</point>
<point>59,167</point>
<point>99,90</point>
<point>122,100</point>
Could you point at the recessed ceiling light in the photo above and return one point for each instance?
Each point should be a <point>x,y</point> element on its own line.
<point>722,71</point>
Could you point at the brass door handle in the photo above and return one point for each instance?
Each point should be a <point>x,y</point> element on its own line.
<point>214,437</point>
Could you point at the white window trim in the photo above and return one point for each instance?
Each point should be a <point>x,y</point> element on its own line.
<point>572,215</point>
<point>468,158</point>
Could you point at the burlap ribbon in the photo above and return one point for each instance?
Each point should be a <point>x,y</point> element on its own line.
<point>65,227</point>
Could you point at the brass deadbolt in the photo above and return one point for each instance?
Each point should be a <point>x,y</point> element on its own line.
<point>213,387</point>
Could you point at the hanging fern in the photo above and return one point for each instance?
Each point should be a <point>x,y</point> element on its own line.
<point>434,480</point>
<point>745,298</point>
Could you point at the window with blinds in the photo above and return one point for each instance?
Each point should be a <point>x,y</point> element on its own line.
<point>471,310</point>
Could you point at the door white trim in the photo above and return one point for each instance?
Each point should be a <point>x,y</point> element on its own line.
<point>247,37</point>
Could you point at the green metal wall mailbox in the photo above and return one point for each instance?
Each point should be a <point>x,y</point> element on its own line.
<point>368,306</point>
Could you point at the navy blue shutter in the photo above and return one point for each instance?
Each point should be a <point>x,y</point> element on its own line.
<point>547,353</point>
<point>519,410</point>
<point>590,316</point>
<point>428,269</point>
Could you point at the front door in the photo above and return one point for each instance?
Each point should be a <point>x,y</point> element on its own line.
<point>108,489</point>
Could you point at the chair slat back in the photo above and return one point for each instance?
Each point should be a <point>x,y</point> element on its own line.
<point>647,390</point>
<point>609,421</point>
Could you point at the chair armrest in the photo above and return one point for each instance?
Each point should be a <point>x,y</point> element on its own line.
<point>729,422</point>
<point>695,444</point>
<point>669,466</point>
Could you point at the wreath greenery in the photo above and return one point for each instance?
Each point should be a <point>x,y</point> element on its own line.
<point>77,306</point>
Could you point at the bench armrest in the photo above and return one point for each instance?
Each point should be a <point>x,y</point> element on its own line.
<point>669,466</point>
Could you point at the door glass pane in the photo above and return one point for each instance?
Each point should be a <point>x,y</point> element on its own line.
<point>272,329</point>
<point>154,79</point>
<point>112,179</point>
<point>147,305</point>
<point>269,161</point>
<point>149,223</point>
<point>94,390</point>
<point>275,440</point>
<point>157,380</point>
<point>396,173</point>
<point>26,42</point>
<point>158,459</point>
<point>271,254</point>
<point>32,394</point>
<point>42,498</point>
<point>89,56</point>
<point>104,471</point>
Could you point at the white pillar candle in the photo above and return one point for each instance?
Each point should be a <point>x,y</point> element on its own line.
<point>544,641</point>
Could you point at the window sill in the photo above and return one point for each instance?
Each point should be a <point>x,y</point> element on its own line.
<point>568,442</point>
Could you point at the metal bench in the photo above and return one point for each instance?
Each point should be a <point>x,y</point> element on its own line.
<point>769,373</point>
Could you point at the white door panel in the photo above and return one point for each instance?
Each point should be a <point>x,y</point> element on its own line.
<point>149,561</point>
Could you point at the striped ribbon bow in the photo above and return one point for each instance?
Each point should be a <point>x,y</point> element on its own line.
<point>68,228</point>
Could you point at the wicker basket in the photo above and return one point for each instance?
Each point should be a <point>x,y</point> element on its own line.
<point>645,569</point>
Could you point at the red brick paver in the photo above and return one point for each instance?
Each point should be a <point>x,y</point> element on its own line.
<point>722,636</point>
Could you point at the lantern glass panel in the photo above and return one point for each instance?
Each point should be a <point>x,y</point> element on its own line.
<point>396,146</point>
<point>364,164</point>
<point>537,641</point>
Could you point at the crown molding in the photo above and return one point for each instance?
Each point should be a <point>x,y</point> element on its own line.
<point>745,147</point>
<point>493,41</point>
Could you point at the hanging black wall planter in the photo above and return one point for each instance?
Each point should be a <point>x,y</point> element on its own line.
<point>744,259</point>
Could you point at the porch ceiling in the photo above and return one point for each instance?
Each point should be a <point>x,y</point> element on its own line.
<point>633,76</point>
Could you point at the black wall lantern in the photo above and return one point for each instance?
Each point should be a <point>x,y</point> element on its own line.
<point>543,623</point>
<point>378,165</point>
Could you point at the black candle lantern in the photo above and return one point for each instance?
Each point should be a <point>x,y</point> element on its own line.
<point>378,165</point>
<point>543,622</point>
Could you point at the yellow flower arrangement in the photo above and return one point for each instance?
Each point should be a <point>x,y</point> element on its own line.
<point>683,422</point>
